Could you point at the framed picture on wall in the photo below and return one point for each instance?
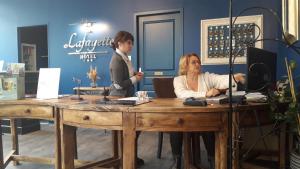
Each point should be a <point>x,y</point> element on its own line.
<point>28,56</point>
<point>215,39</point>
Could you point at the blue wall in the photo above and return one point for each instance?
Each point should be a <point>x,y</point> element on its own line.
<point>292,55</point>
<point>119,14</point>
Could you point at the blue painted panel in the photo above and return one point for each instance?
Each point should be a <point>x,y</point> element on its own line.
<point>148,81</point>
<point>159,45</point>
<point>147,87</point>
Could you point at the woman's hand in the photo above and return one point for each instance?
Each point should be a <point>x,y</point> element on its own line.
<point>240,78</point>
<point>139,76</point>
<point>213,92</point>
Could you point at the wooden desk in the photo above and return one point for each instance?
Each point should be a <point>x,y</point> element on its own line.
<point>158,115</point>
<point>48,110</point>
<point>88,114</point>
<point>30,109</point>
<point>172,115</point>
<point>249,116</point>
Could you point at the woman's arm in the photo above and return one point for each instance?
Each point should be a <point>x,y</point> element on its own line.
<point>182,91</point>
<point>219,81</point>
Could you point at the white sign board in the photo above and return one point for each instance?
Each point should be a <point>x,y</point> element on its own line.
<point>48,84</point>
<point>1,65</point>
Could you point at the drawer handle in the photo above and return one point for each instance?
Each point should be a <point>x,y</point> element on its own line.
<point>86,117</point>
<point>27,111</point>
<point>180,121</point>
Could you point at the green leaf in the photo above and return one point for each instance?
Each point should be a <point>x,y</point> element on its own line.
<point>293,64</point>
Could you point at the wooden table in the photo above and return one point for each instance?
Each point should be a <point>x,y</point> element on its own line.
<point>50,110</point>
<point>30,109</point>
<point>172,115</point>
<point>88,114</point>
<point>159,115</point>
<point>258,116</point>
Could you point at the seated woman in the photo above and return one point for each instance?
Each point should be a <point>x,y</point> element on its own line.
<point>191,82</point>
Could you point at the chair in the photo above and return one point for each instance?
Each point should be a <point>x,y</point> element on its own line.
<point>163,88</point>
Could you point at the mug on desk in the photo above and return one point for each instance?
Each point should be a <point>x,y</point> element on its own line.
<point>142,95</point>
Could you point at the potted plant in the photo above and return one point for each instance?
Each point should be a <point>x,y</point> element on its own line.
<point>285,106</point>
<point>93,76</point>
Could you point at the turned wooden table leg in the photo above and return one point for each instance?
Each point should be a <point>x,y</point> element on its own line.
<point>187,150</point>
<point>217,151</point>
<point>129,136</point>
<point>115,145</point>
<point>57,139</point>
<point>221,150</point>
<point>196,149</point>
<point>221,146</point>
<point>15,140</point>
<point>75,143</point>
<point>1,147</point>
<point>68,144</point>
<point>120,135</point>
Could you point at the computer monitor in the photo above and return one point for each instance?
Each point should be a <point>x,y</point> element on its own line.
<point>261,70</point>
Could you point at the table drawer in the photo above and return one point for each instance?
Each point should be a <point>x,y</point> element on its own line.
<point>27,111</point>
<point>92,117</point>
<point>179,121</point>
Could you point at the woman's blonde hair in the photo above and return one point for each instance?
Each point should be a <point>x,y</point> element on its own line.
<point>184,62</point>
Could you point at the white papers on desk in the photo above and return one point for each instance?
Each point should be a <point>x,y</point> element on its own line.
<point>256,97</point>
<point>130,98</point>
<point>238,93</point>
<point>64,95</point>
<point>48,84</point>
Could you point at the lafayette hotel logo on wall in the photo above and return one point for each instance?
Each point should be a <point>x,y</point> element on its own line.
<point>88,49</point>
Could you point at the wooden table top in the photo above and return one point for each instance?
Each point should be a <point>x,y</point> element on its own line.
<point>89,102</point>
<point>171,105</point>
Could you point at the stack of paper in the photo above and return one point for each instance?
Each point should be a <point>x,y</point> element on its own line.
<point>256,97</point>
<point>238,93</point>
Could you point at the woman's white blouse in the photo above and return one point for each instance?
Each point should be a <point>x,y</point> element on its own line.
<point>206,81</point>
